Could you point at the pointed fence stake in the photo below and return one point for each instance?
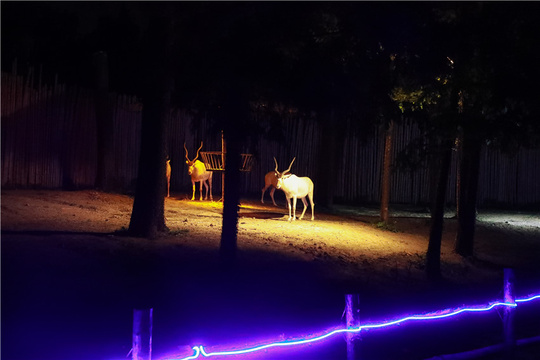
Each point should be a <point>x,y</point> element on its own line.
<point>508,317</point>
<point>142,334</point>
<point>352,319</point>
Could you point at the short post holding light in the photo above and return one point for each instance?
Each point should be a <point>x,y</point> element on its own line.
<point>142,335</point>
<point>508,316</point>
<point>352,319</point>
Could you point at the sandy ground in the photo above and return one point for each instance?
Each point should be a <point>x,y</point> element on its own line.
<point>68,248</point>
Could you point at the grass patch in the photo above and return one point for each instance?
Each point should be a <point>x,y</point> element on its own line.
<point>383,225</point>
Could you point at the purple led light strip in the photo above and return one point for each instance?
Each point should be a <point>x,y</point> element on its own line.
<point>199,350</point>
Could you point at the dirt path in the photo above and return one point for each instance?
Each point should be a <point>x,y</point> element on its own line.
<point>63,266</point>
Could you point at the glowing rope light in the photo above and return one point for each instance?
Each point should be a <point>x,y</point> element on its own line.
<point>532,297</point>
<point>196,355</point>
<point>199,350</point>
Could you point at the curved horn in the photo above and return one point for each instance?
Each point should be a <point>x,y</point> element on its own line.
<point>200,147</point>
<point>186,152</point>
<point>276,164</point>
<point>289,169</point>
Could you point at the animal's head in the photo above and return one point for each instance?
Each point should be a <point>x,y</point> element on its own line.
<point>191,163</point>
<point>282,175</point>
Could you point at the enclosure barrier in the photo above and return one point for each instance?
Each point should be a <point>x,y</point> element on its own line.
<point>215,161</point>
<point>48,141</point>
<point>353,328</point>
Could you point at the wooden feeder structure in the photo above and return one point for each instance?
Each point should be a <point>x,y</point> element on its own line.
<point>215,161</point>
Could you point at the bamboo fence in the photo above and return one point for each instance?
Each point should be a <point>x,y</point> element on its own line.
<point>48,135</point>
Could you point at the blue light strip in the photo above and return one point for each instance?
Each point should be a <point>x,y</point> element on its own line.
<point>199,350</point>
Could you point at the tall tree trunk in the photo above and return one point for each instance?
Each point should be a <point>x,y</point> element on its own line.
<point>326,179</point>
<point>385,180</point>
<point>459,145</point>
<point>433,255</point>
<point>236,113</point>
<point>231,201</point>
<point>468,190</point>
<point>147,217</point>
<point>104,122</point>
<point>433,181</point>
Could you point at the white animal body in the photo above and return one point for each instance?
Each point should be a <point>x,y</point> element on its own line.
<point>295,187</point>
<point>197,171</point>
<point>270,180</point>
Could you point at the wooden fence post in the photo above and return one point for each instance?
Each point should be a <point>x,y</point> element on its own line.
<point>352,319</point>
<point>508,317</point>
<point>142,334</point>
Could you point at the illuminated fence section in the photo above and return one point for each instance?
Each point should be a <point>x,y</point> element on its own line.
<point>200,352</point>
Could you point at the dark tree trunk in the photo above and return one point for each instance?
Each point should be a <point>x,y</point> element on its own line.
<point>459,145</point>
<point>326,171</point>
<point>236,113</point>
<point>147,217</point>
<point>433,181</point>
<point>104,122</point>
<point>385,180</point>
<point>231,202</point>
<point>468,191</point>
<point>433,256</point>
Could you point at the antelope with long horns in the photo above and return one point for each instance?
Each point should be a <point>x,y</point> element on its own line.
<point>168,175</point>
<point>295,187</point>
<point>270,180</point>
<point>197,171</point>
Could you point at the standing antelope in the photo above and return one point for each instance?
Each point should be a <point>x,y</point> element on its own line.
<point>168,174</point>
<point>270,180</point>
<point>197,171</point>
<point>295,187</point>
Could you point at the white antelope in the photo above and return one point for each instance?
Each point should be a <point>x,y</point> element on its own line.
<point>270,180</point>
<point>197,171</point>
<point>295,187</point>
